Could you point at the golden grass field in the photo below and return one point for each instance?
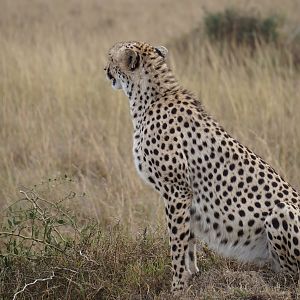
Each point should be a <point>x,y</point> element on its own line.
<point>59,115</point>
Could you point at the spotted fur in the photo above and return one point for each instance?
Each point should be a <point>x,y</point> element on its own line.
<point>214,188</point>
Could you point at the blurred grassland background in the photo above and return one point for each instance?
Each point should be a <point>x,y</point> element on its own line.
<point>59,115</point>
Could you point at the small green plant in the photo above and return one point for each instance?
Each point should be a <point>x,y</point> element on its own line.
<point>35,226</point>
<point>240,28</point>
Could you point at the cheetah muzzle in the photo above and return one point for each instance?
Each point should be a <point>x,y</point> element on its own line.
<point>213,187</point>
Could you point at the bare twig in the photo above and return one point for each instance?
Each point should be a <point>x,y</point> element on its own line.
<point>32,283</point>
<point>88,258</point>
<point>40,211</point>
<point>52,204</point>
<point>30,238</point>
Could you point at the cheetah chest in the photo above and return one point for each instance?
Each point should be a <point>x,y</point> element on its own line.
<point>140,161</point>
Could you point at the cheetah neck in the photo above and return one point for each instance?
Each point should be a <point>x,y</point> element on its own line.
<point>154,85</point>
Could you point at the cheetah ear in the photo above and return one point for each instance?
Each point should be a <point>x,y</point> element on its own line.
<point>162,51</point>
<point>132,59</point>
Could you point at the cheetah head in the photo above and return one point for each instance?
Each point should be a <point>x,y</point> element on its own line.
<point>129,62</point>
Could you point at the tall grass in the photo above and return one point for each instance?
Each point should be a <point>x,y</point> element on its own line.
<point>59,115</point>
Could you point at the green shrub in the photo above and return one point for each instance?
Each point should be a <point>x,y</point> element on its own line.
<point>238,28</point>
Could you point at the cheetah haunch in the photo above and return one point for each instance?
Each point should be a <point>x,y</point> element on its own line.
<point>213,187</point>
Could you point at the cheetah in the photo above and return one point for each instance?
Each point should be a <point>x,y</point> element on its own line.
<point>214,188</point>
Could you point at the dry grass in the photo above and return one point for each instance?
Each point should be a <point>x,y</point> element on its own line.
<point>58,114</point>
<point>51,252</point>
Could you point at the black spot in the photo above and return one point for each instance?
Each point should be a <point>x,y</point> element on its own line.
<point>235,156</point>
<point>215,226</point>
<point>240,185</point>
<point>240,232</point>
<point>251,222</point>
<point>242,213</point>
<point>295,241</point>
<point>231,217</point>
<point>250,208</point>
<point>151,180</point>
<point>261,181</point>
<point>229,228</point>
<point>268,195</point>
<point>233,179</point>
<point>254,188</point>
<point>249,179</point>
<point>257,204</point>
<point>216,215</point>
<point>285,225</point>
<point>231,167</point>
<point>182,236</point>
<point>258,230</point>
<point>179,220</point>
<point>172,209</point>
<point>275,223</point>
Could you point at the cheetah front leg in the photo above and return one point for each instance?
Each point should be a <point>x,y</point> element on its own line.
<point>178,218</point>
<point>191,255</point>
